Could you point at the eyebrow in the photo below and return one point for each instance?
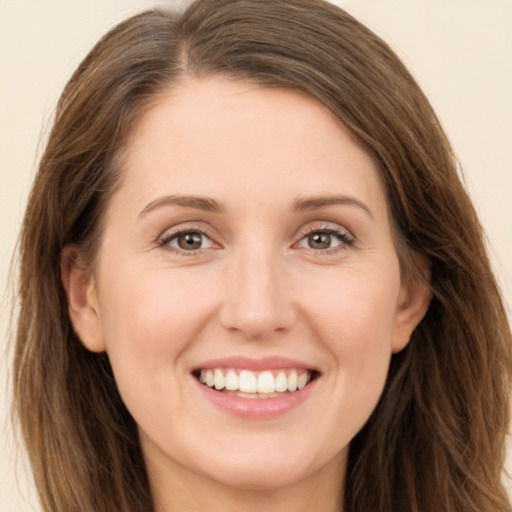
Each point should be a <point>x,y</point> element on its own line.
<point>205,204</point>
<point>306,204</point>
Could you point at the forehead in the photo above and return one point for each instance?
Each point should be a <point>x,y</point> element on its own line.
<point>212,136</point>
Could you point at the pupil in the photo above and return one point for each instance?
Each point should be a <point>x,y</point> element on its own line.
<point>189,241</point>
<point>319,240</point>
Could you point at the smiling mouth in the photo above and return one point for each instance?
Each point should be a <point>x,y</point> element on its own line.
<point>249,384</point>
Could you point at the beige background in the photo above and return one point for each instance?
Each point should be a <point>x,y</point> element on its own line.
<point>459,50</point>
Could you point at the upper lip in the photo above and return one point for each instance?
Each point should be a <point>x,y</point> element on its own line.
<point>254,364</point>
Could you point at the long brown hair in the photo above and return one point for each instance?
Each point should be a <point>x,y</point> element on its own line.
<point>436,439</point>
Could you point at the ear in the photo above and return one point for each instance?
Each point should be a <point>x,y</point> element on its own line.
<point>83,307</point>
<point>413,303</point>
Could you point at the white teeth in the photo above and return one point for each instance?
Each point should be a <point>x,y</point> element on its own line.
<point>247,382</point>
<point>302,380</point>
<point>231,380</point>
<point>292,381</point>
<point>266,383</point>
<point>219,379</point>
<point>281,382</point>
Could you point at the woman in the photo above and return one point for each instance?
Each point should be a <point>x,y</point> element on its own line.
<point>252,279</point>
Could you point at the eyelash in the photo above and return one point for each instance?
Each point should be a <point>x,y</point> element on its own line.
<point>344,237</point>
<point>168,238</point>
<point>346,240</point>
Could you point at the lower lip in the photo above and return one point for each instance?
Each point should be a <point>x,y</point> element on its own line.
<point>257,408</point>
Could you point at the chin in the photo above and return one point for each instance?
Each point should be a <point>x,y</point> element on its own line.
<point>265,476</point>
<point>270,466</point>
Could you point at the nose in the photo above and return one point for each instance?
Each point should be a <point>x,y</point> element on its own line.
<point>257,301</point>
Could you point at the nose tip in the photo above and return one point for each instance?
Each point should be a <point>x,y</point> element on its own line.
<point>257,304</point>
<point>255,325</point>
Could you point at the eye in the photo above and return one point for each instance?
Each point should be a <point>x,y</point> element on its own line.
<point>187,241</point>
<point>325,239</point>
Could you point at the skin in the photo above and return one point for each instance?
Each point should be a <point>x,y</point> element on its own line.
<point>255,288</point>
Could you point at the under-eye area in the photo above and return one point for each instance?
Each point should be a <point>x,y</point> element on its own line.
<point>256,384</point>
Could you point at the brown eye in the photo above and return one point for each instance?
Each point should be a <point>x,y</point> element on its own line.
<point>319,240</point>
<point>190,241</point>
<point>324,239</point>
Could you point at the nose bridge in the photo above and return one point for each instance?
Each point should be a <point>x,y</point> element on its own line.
<point>256,299</point>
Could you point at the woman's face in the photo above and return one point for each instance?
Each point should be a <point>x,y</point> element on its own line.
<point>248,245</point>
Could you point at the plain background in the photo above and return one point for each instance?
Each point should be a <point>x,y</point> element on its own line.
<point>459,50</point>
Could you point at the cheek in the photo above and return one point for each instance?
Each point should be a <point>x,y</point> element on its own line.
<point>356,309</point>
<point>354,321</point>
<point>148,322</point>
